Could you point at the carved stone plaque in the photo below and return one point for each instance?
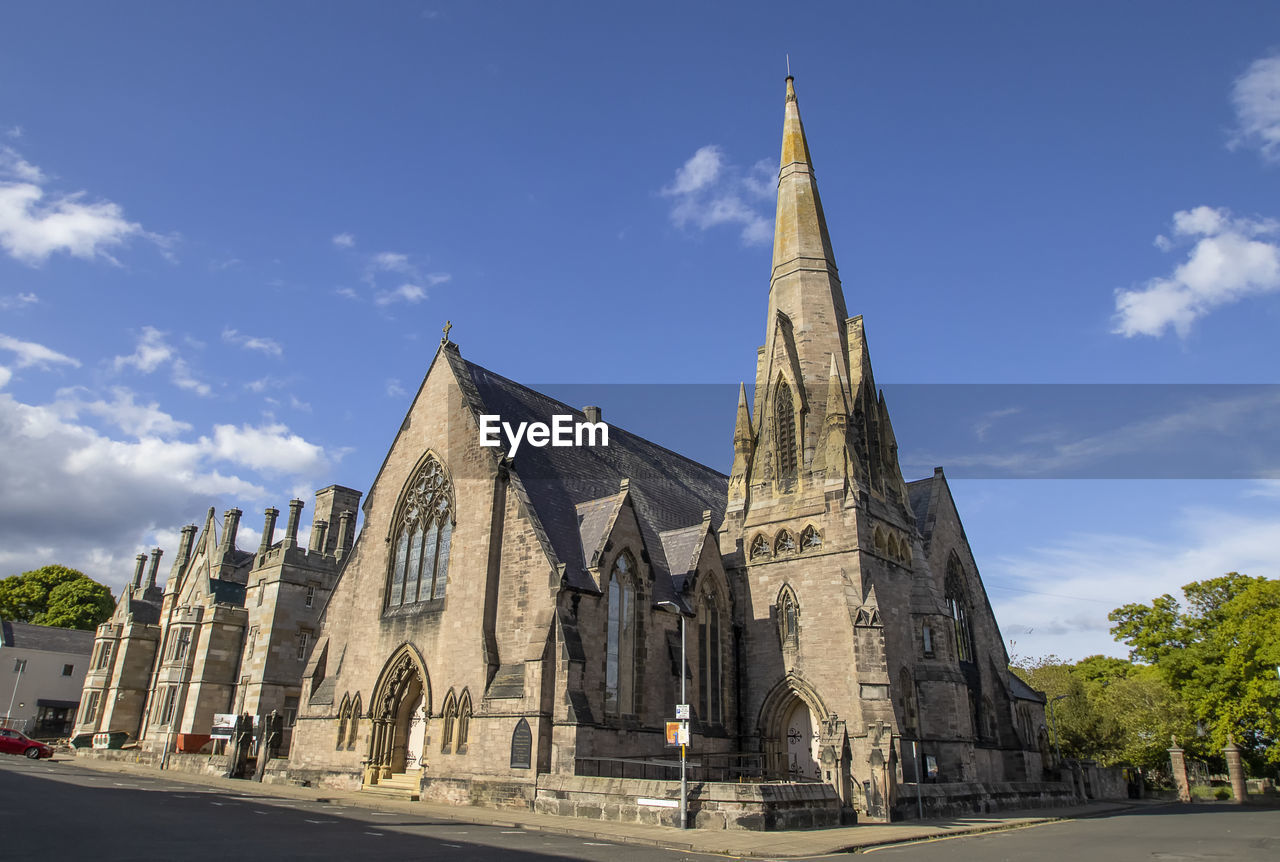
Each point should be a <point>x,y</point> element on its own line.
<point>521,746</point>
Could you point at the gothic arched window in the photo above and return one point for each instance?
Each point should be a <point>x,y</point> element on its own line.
<point>759,547</point>
<point>810,539</point>
<point>464,722</point>
<point>450,718</point>
<point>354,727</point>
<point>785,416</point>
<point>620,640</point>
<point>785,543</point>
<point>711,664</point>
<point>958,608</point>
<point>423,534</point>
<point>788,618</point>
<point>907,703</point>
<point>344,715</point>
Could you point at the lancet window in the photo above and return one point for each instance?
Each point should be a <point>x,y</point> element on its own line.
<point>620,640</point>
<point>711,670</point>
<point>464,722</point>
<point>788,618</point>
<point>785,416</point>
<point>958,607</point>
<point>450,720</point>
<point>422,538</point>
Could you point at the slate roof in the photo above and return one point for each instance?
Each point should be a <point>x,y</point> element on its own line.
<point>143,609</point>
<point>669,491</point>
<point>46,638</point>
<point>1022,691</point>
<point>919,493</point>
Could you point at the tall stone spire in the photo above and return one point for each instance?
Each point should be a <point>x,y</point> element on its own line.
<point>805,329</point>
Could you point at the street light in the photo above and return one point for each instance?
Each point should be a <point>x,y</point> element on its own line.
<point>673,608</point>
<point>1057,743</point>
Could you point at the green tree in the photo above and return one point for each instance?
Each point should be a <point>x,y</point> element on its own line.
<point>55,596</point>
<point>1218,654</point>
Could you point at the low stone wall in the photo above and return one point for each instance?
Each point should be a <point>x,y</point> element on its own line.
<point>712,805</point>
<point>958,799</point>
<point>195,764</point>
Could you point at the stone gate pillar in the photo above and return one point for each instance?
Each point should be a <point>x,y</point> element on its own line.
<point>1235,771</point>
<point>1178,762</point>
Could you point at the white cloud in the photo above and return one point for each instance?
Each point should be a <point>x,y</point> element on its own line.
<point>269,346</point>
<point>1256,97</point>
<point>344,240</point>
<point>1055,599</point>
<point>14,132</point>
<point>17,300</point>
<point>347,293</point>
<point>1230,258</point>
<point>32,227</point>
<point>708,192</point>
<point>394,389</point>
<point>270,449</point>
<point>5,376</point>
<point>410,293</point>
<point>390,261</point>
<point>153,351</point>
<point>137,420</point>
<point>31,354</point>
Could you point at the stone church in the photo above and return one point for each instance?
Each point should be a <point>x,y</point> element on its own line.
<point>507,630</point>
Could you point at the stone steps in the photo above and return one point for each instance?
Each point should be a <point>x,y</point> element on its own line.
<point>398,786</point>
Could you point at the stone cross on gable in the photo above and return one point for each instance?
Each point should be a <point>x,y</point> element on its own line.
<point>447,326</point>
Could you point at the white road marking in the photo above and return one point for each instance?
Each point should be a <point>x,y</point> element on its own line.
<point>374,834</point>
<point>322,821</point>
<point>512,832</point>
<point>456,846</point>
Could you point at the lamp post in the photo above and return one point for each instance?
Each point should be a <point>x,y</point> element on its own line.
<point>673,608</point>
<point>21,668</point>
<point>1057,744</point>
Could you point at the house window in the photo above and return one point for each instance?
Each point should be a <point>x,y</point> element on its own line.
<point>170,700</point>
<point>104,656</point>
<point>419,568</point>
<point>785,415</point>
<point>619,684</point>
<point>311,596</point>
<point>67,669</point>
<point>181,644</point>
<point>304,638</point>
<point>711,671</point>
<point>926,636</point>
<point>289,714</point>
<point>91,707</point>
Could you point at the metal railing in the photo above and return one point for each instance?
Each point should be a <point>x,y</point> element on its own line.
<point>723,767</point>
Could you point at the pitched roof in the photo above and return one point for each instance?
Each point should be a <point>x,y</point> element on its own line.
<point>668,490</point>
<point>1022,691</point>
<point>46,638</point>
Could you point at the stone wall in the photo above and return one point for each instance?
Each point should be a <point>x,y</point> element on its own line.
<point>961,799</point>
<point>712,805</point>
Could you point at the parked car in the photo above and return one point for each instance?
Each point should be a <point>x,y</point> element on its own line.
<point>14,742</point>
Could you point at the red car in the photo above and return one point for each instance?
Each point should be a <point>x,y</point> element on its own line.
<point>13,742</point>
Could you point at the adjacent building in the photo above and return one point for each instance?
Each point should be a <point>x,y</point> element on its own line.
<point>42,671</point>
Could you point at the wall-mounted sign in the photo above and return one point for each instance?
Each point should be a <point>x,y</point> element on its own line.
<point>521,746</point>
<point>677,733</point>
<point>682,711</point>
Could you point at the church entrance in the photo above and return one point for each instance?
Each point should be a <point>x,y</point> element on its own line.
<point>401,707</point>
<point>802,743</point>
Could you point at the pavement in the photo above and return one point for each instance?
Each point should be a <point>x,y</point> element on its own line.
<point>771,845</point>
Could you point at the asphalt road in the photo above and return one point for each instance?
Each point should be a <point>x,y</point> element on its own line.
<point>59,810</point>
<point>1174,833</point>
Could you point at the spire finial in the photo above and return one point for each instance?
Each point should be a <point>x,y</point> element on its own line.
<point>447,326</point>
<point>788,65</point>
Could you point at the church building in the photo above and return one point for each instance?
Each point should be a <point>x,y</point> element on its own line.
<point>507,630</point>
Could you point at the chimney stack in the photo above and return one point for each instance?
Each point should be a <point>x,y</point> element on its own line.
<point>155,567</point>
<point>230,524</point>
<point>291,530</point>
<point>137,571</point>
<point>318,529</point>
<point>344,533</point>
<point>269,530</point>
<point>593,413</point>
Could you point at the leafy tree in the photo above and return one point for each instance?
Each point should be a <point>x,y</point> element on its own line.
<point>55,596</point>
<point>1219,656</point>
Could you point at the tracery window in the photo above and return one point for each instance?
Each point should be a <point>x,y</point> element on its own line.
<point>958,608</point>
<point>759,547</point>
<point>785,416</point>
<point>907,703</point>
<point>785,543</point>
<point>422,538</point>
<point>619,678</point>
<point>788,618</point>
<point>450,719</point>
<point>810,539</point>
<point>464,722</point>
<point>711,669</point>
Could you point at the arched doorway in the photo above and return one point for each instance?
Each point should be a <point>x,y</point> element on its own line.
<point>401,705</point>
<point>790,722</point>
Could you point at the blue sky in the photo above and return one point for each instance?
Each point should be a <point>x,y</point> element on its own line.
<point>230,234</point>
